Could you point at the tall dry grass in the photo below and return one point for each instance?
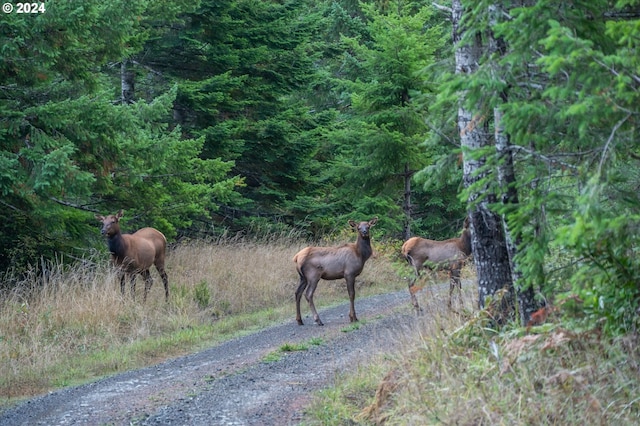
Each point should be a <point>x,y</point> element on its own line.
<point>74,325</point>
<point>454,369</point>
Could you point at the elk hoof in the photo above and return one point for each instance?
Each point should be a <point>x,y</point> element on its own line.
<point>319,322</point>
<point>300,322</point>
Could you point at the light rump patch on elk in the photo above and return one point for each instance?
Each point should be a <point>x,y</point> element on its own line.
<point>448,255</point>
<point>333,263</point>
<point>135,253</point>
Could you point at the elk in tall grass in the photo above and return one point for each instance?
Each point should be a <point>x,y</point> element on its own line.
<point>448,255</point>
<point>333,263</point>
<point>134,254</point>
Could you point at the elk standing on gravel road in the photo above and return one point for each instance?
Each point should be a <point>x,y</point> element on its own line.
<point>134,253</point>
<point>448,255</point>
<point>332,263</point>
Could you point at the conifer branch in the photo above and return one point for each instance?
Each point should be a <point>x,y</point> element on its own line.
<point>72,205</point>
<point>610,139</point>
<point>442,8</point>
<point>545,158</point>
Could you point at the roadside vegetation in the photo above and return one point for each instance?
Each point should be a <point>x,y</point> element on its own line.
<point>74,325</point>
<point>459,370</point>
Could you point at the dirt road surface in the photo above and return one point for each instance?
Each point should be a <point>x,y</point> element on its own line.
<point>232,383</point>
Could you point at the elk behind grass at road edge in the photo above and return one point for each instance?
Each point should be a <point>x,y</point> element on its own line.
<point>332,263</point>
<point>134,253</point>
<point>449,255</point>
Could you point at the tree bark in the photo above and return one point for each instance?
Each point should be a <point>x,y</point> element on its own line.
<point>127,80</point>
<point>488,241</point>
<point>406,206</point>
<point>507,177</point>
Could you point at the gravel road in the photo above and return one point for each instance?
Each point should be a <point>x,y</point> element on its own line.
<point>231,383</point>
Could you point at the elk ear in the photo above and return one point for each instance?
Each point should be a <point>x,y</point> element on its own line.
<point>120,214</point>
<point>353,223</point>
<point>99,217</point>
<point>373,221</point>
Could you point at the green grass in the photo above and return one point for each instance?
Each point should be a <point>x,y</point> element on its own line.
<point>274,356</point>
<point>292,347</point>
<point>353,326</point>
<point>316,341</point>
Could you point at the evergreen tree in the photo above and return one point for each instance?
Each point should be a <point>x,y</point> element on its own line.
<point>67,148</point>
<point>575,152</point>
<point>392,125</point>
<point>376,61</point>
<point>556,98</point>
<point>239,65</point>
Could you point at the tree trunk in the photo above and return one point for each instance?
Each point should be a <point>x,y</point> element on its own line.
<point>127,79</point>
<point>507,177</point>
<point>488,241</point>
<point>406,206</point>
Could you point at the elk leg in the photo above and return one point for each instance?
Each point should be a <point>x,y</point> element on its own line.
<point>148,282</point>
<point>454,281</point>
<point>299,291</point>
<point>413,289</point>
<point>459,284</point>
<point>351,288</point>
<point>133,286</point>
<point>309,296</point>
<point>122,283</point>
<point>165,281</point>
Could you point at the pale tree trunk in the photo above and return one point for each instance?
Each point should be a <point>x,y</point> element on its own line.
<point>127,80</point>
<point>507,178</point>
<point>406,206</point>
<point>526,296</point>
<point>488,242</point>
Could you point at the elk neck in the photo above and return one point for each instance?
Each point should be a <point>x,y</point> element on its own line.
<point>465,242</point>
<point>116,244</point>
<point>363,246</point>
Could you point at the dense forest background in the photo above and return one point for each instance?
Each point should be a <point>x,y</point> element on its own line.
<point>203,117</point>
<point>207,117</point>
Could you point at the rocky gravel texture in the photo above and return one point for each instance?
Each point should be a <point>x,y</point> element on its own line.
<point>233,383</point>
